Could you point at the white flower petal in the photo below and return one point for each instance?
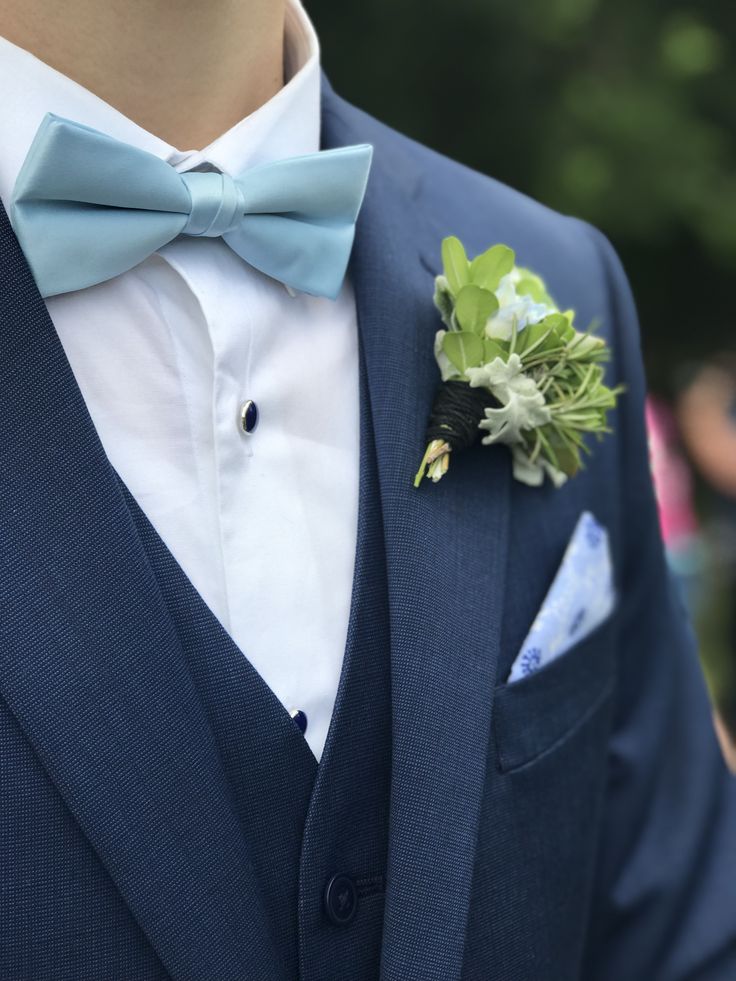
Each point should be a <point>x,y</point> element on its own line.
<point>533,473</point>
<point>524,470</point>
<point>522,312</point>
<point>448,371</point>
<point>508,423</point>
<point>522,404</point>
<point>506,292</point>
<point>502,378</point>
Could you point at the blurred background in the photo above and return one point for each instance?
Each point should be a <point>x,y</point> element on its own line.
<point>623,113</point>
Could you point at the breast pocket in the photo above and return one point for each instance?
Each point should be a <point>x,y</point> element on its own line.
<point>541,712</point>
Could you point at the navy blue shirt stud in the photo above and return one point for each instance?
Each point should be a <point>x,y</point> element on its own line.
<point>300,718</point>
<point>249,416</point>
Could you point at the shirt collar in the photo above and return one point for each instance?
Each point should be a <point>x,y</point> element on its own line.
<point>287,125</point>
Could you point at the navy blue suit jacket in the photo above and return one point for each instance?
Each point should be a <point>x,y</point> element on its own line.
<point>576,825</point>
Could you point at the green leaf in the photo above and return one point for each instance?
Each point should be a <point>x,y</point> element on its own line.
<point>587,347</point>
<point>464,349</point>
<point>568,455</point>
<point>562,453</point>
<point>492,350</point>
<point>561,326</point>
<point>532,285</point>
<point>534,333</point>
<point>487,270</point>
<point>455,261</point>
<point>473,307</point>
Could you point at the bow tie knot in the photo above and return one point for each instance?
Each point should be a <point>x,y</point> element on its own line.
<point>218,204</point>
<point>86,208</point>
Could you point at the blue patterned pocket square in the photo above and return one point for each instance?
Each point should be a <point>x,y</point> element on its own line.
<point>581,597</point>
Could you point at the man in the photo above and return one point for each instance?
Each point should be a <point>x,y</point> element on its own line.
<point>235,744</point>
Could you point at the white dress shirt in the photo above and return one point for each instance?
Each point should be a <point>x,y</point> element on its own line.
<point>263,524</point>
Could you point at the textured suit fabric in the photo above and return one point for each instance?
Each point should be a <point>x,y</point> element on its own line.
<point>577,825</point>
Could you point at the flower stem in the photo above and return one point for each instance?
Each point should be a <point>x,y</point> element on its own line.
<point>436,460</point>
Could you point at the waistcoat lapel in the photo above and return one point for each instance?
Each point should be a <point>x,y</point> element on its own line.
<point>93,670</point>
<point>268,764</point>
<point>445,554</point>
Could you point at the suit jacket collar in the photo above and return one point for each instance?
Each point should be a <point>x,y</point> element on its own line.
<point>446,553</point>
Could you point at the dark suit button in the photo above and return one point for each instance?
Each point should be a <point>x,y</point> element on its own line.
<point>341,899</point>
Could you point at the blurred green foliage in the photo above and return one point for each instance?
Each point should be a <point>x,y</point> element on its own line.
<point>618,111</point>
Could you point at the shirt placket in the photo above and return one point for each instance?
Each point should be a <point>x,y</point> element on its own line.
<point>235,412</point>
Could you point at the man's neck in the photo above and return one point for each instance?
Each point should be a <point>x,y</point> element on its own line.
<point>185,71</point>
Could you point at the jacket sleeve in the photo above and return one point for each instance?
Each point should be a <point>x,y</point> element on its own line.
<point>665,902</point>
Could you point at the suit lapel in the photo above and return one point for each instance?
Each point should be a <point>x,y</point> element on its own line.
<point>446,553</point>
<point>92,668</point>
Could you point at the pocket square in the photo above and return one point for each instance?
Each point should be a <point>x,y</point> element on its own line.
<point>581,597</point>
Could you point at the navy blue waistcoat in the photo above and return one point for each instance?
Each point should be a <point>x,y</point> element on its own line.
<point>317,837</point>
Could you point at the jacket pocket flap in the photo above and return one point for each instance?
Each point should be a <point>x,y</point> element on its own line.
<point>533,715</point>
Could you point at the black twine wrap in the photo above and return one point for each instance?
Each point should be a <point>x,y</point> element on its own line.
<point>456,412</point>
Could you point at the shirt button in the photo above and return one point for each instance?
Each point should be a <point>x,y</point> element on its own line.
<point>248,416</point>
<point>300,718</point>
<point>341,899</point>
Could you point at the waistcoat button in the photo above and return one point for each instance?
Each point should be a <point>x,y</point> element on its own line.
<point>341,899</point>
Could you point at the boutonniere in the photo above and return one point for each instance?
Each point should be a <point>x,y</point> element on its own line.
<point>515,368</point>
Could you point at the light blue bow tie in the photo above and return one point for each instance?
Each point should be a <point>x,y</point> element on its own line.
<point>86,207</point>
